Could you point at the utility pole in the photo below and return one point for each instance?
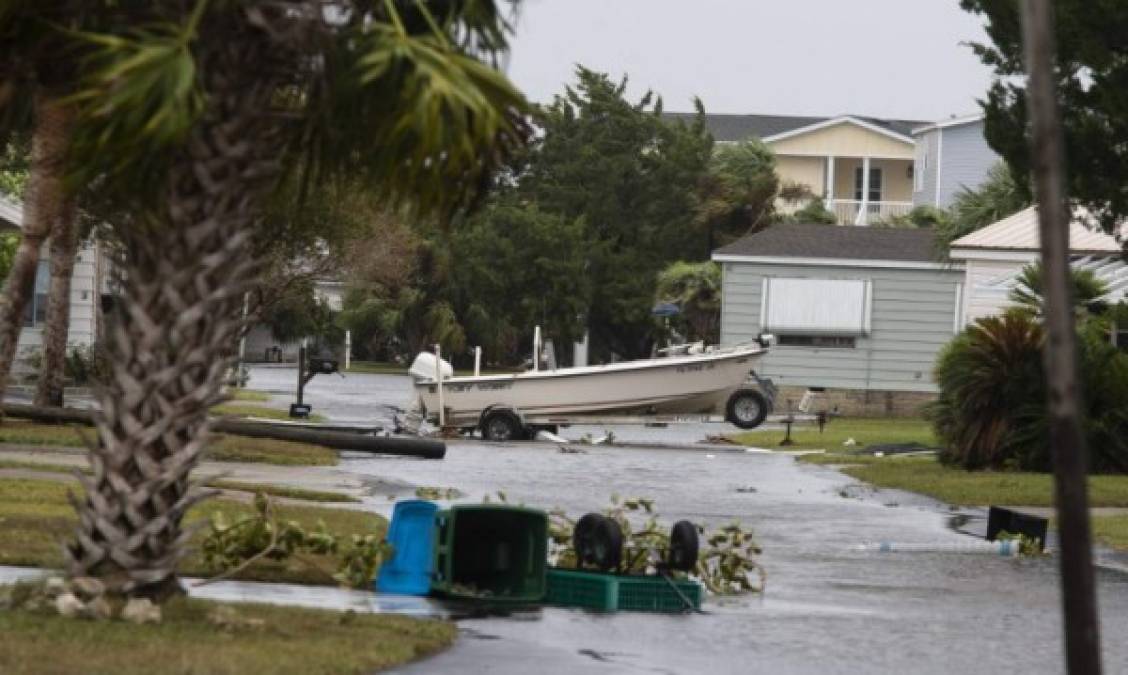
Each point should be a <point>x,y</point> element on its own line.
<point>1067,441</point>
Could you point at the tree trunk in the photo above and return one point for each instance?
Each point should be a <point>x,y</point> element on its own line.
<point>171,336</point>
<point>45,205</point>
<point>64,247</point>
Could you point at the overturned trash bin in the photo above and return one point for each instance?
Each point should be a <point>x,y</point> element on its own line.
<point>490,552</point>
<point>408,570</point>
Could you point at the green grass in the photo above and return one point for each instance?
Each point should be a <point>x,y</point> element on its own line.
<point>250,395</point>
<point>223,448</point>
<point>284,491</point>
<point>1111,531</point>
<point>290,641</point>
<point>864,431</point>
<point>238,410</point>
<point>972,488</point>
<point>35,517</point>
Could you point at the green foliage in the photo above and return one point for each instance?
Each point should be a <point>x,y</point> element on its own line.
<point>991,410</point>
<point>299,313</point>
<point>1087,291</point>
<point>975,208</point>
<point>14,165</point>
<point>631,177</point>
<point>9,243</point>
<point>737,194</point>
<point>229,546</point>
<point>83,365</point>
<point>696,289</point>
<point>814,212</point>
<point>1091,71</point>
<point>920,216</point>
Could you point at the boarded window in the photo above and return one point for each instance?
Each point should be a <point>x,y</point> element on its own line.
<point>816,306</point>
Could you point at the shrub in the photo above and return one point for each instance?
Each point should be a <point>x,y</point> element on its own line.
<point>991,411</point>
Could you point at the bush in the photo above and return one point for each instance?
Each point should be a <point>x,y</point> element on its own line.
<point>991,411</point>
<point>83,365</point>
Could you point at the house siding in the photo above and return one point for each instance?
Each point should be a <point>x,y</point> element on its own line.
<point>966,161</point>
<point>928,145</point>
<point>913,316</point>
<point>83,302</point>
<point>843,140</point>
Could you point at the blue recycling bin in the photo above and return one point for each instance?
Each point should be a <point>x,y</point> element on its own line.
<point>408,571</point>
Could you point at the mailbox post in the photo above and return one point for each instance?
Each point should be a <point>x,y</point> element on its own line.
<point>307,369</point>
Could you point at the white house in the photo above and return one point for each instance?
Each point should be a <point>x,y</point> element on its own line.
<point>998,252</point>
<point>86,286</point>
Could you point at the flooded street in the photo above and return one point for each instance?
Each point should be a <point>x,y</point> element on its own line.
<point>827,609</point>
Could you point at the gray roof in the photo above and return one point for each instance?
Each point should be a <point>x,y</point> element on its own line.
<point>726,127</point>
<point>836,241</point>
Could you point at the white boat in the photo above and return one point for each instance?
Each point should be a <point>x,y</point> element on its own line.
<point>714,381</point>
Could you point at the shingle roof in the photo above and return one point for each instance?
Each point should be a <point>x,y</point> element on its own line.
<point>837,242</point>
<point>726,127</point>
<point>1019,232</point>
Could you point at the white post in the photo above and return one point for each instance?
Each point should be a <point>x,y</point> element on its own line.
<point>439,383</point>
<point>829,192</point>
<point>580,352</point>
<point>348,349</point>
<point>536,348</point>
<point>477,361</point>
<point>863,208</point>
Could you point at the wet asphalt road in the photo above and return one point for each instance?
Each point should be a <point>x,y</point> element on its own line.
<point>827,609</point>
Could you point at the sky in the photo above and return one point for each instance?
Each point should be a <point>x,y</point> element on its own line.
<point>883,58</point>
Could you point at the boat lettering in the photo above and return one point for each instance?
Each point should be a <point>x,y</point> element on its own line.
<point>494,386</point>
<point>695,367</point>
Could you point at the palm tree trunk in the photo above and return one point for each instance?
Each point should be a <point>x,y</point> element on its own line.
<point>171,336</point>
<point>64,248</point>
<point>45,205</point>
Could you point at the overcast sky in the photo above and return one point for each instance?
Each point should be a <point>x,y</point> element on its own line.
<point>884,58</point>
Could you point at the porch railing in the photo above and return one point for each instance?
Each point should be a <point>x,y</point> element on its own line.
<point>851,211</point>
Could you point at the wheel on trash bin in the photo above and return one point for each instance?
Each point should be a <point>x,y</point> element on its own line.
<point>746,409</point>
<point>502,425</point>
<point>682,555</point>
<point>598,541</point>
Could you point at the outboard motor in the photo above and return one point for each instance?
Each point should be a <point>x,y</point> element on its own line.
<point>423,367</point>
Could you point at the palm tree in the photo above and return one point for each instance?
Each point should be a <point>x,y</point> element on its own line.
<point>696,289</point>
<point>191,118</point>
<point>996,198</point>
<point>187,116</point>
<point>1088,291</point>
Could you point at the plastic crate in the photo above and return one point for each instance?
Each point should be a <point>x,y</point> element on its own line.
<point>610,592</point>
<point>656,594</point>
<point>590,590</point>
<point>492,553</point>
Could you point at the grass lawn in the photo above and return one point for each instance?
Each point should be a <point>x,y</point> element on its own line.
<point>35,517</point>
<point>290,640</point>
<point>864,431</point>
<point>251,410</point>
<point>969,488</point>
<point>223,448</point>
<point>1111,531</point>
<point>249,395</point>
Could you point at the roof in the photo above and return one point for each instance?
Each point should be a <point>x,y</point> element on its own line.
<point>728,128</point>
<point>1019,232</point>
<point>11,211</point>
<point>835,242</point>
<point>953,121</point>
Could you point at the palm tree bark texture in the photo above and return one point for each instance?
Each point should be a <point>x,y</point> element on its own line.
<point>46,204</point>
<point>170,338</point>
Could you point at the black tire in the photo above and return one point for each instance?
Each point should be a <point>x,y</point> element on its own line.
<point>746,409</point>
<point>684,546</point>
<point>598,541</point>
<point>502,425</point>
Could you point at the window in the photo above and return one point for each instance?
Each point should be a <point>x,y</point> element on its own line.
<point>834,307</point>
<point>820,341</point>
<point>874,184</point>
<point>35,313</point>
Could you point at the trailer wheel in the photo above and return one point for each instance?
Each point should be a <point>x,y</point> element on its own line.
<point>598,541</point>
<point>501,426</point>
<point>684,546</point>
<point>746,409</point>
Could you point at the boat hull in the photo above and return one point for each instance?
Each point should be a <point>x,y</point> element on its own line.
<point>681,385</point>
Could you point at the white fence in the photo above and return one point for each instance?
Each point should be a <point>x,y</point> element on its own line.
<point>851,211</point>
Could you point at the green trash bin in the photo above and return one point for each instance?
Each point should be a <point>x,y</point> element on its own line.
<point>489,552</point>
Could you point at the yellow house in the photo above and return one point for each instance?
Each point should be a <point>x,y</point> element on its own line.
<point>862,167</point>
